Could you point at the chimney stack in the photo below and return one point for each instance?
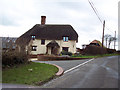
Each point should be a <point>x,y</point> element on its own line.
<point>43,20</point>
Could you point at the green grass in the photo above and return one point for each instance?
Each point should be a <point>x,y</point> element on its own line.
<point>96,56</point>
<point>21,75</point>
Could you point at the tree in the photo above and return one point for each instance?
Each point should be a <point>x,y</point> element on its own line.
<point>114,39</point>
<point>8,43</point>
<point>111,39</point>
<point>106,37</point>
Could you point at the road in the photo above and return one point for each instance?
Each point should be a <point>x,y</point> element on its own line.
<point>65,64</point>
<point>98,73</point>
<point>89,73</point>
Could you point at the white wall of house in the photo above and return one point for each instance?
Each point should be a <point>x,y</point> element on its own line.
<point>42,49</point>
<point>71,44</point>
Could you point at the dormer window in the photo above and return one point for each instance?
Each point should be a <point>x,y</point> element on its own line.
<point>33,37</point>
<point>65,39</point>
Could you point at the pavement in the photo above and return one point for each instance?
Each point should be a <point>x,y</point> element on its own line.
<point>96,73</point>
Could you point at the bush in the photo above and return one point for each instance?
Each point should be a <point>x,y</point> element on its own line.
<point>11,58</point>
<point>66,53</point>
<point>94,50</point>
<point>77,54</point>
<point>110,51</point>
<point>118,51</point>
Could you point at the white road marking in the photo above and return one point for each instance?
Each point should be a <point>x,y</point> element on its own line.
<point>78,66</point>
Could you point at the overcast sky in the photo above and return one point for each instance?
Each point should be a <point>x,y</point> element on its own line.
<point>18,16</point>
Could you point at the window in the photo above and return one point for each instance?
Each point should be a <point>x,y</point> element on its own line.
<point>65,48</point>
<point>33,37</point>
<point>65,39</point>
<point>42,41</point>
<point>34,48</point>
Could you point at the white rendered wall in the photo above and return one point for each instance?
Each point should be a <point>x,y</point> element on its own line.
<point>42,49</point>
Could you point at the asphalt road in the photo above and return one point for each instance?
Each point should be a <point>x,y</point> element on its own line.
<point>90,73</point>
<point>65,64</point>
<point>98,73</point>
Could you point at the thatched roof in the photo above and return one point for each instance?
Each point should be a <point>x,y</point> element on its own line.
<point>98,42</point>
<point>48,32</point>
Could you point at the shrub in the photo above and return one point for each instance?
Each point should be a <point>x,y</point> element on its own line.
<point>94,50</point>
<point>118,51</point>
<point>110,51</point>
<point>66,53</point>
<point>11,58</point>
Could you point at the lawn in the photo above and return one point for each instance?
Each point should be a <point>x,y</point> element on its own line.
<point>90,56</point>
<point>30,74</point>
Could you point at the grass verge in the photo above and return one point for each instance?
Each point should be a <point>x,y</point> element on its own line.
<point>30,74</point>
<point>90,56</point>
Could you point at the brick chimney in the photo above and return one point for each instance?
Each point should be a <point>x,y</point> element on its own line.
<point>43,20</point>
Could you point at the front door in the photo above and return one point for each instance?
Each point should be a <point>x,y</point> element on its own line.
<point>52,50</point>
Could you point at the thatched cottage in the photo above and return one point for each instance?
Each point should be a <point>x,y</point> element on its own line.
<point>48,39</point>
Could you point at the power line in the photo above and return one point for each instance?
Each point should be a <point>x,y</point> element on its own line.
<point>96,12</point>
<point>109,30</point>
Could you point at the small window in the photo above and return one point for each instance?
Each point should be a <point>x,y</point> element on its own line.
<point>65,48</point>
<point>65,39</point>
<point>34,48</point>
<point>42,41</point>
<point>33,37</point>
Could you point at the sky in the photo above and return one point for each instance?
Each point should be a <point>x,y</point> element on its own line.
<point>18,16</point>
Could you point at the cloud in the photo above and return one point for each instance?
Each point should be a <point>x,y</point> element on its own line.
<point>18,16</point>
<point>6,21</point>
<point>8,13</point>
<point>73,5</point>
<point>14,11</point>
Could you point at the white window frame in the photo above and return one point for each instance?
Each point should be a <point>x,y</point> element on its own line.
<point>65,39</point>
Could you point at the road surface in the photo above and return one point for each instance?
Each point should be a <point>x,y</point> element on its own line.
<point>97,73</point>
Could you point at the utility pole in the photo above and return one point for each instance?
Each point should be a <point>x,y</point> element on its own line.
<point>103,33</point>
<point>115,40</point>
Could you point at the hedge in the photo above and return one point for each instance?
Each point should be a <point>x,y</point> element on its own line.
<point>11,58</point>
<point>94,50</point>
